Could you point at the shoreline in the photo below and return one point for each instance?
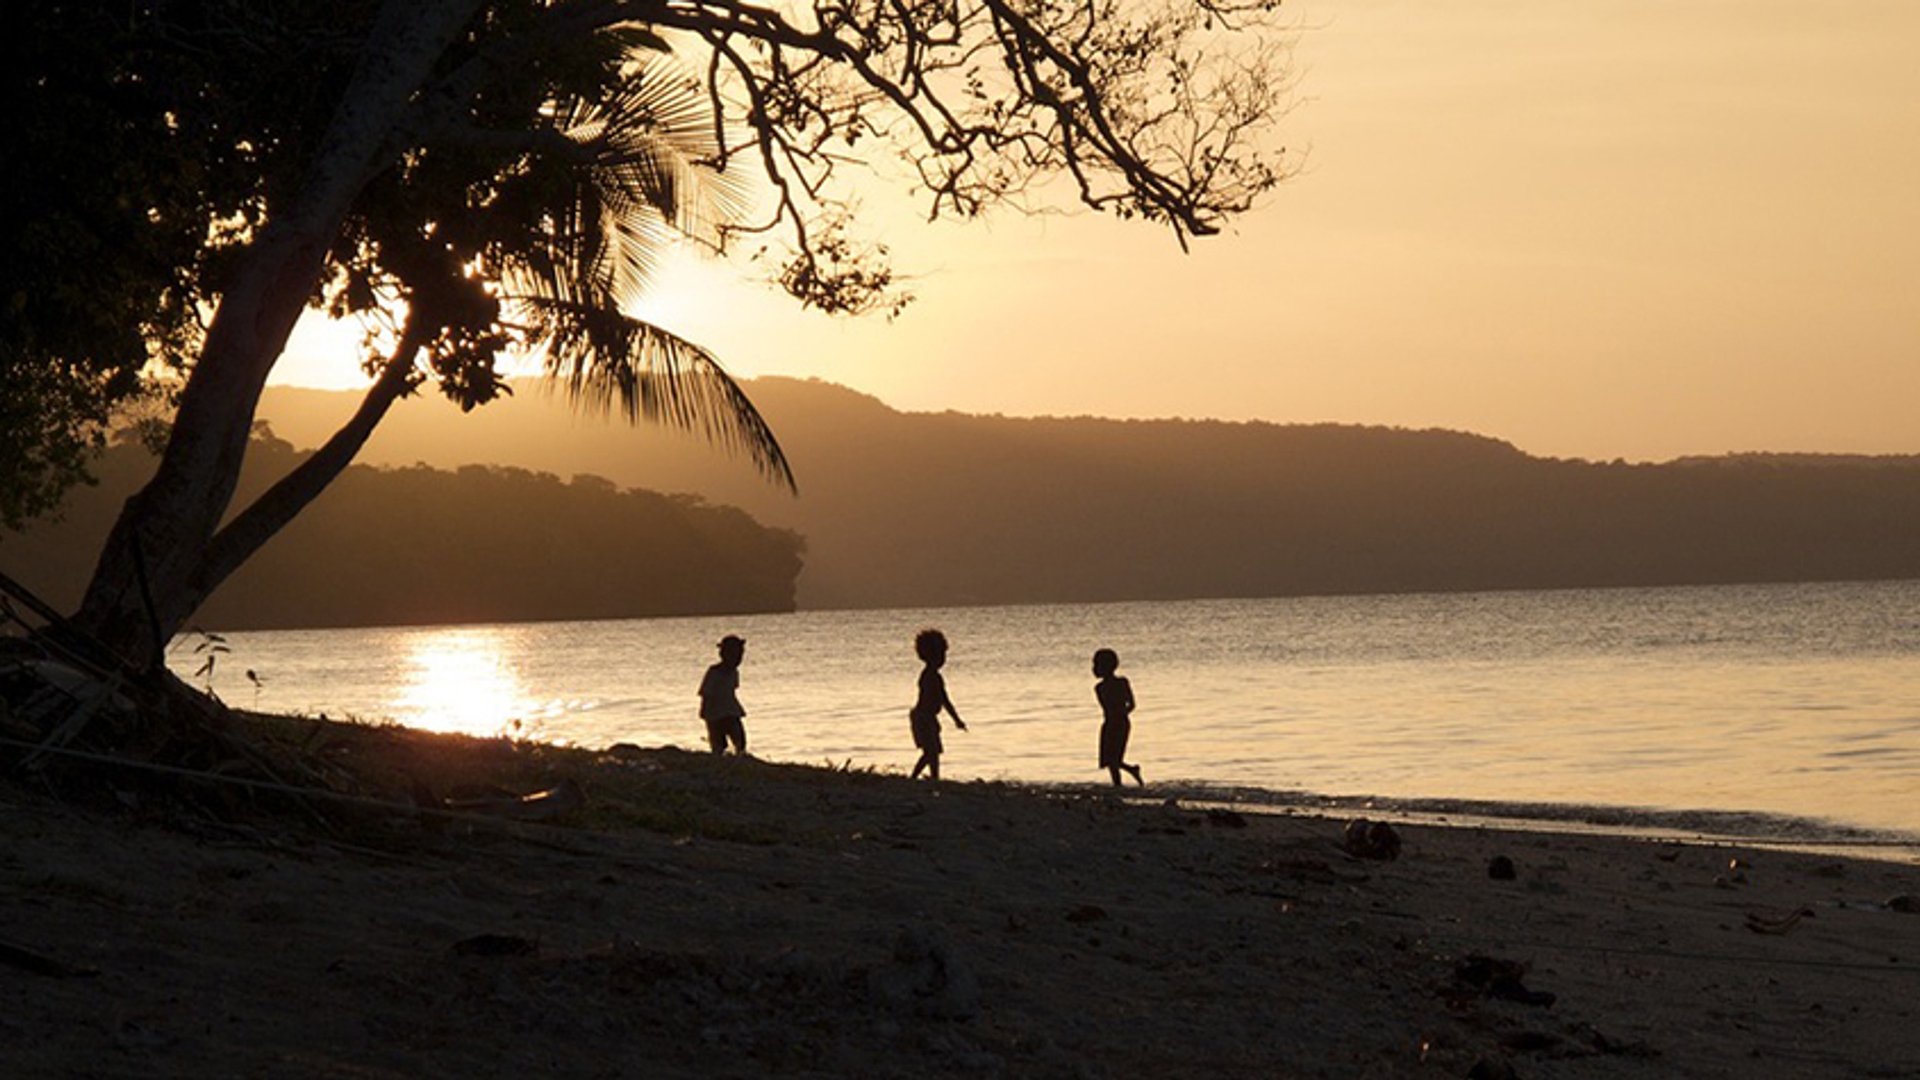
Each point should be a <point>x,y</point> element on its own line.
<point>1694,698</point>
<point>696,916</point>
<point>1758,829</point>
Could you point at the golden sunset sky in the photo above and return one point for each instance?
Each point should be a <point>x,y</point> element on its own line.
<point>1632,228</point>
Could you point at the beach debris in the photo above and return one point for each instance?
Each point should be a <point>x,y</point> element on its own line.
<point>1502,980</point>
<point>632,756</point>
<point>18,956</point>
<point>1305,868</point>
<point>1532,1042</point>
<point>1605,1044</point>
<point>56,700</point>
<point>1161,830</point>
<point>563,798</point>
<point>1501,868</point>
<point>1907,904</point>
<point>1762,921</point>
<point>1492,1069</point>
<point>1087,913</point>
<point>1736,874</point>
<point>1545,878</point>
<point>926,978</point>
<point>1572,1041</point>
<point>495,945</point>
<point>1366,839</point>
<point>1226,819</point>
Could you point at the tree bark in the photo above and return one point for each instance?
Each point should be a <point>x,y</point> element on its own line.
<point>144,586</point>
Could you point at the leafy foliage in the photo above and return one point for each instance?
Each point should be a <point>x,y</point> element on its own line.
<point>1149,108</point>
<point>480,177</point>
<point>148,140</point>
<point>529,220</point>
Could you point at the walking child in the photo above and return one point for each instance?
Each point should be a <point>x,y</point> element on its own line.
<point>931,647</point>
<point>1115,695</point>
<point>720,698</point>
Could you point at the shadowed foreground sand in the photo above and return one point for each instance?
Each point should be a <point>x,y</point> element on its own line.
<point>702,917</point>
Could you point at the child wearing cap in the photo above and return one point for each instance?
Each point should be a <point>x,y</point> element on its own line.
<point>720,698</point>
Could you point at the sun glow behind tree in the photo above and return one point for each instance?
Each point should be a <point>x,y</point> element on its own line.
<point>495,172</point>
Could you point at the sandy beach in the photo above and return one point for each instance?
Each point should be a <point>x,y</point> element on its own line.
<point>703,917</point>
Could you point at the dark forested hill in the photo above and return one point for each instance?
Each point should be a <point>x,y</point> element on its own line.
<point>418,545</point>
<point>914,508</point>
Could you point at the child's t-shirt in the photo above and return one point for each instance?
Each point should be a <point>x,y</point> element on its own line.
<point>720,693</point>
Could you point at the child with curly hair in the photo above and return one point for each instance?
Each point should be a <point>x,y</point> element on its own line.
<point>931,646</point>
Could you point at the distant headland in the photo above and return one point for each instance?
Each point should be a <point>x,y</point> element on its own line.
<point>930,509</point>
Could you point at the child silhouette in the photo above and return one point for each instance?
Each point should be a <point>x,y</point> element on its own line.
<point>931,647</point>
<point>1115,695</point>
<point>720,698</point>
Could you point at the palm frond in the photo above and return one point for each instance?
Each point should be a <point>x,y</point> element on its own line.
<point>609,363</point>
<point>646,175</point>
<point>653,173</point>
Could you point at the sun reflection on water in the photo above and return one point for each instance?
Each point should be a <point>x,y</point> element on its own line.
<point>458,680</point>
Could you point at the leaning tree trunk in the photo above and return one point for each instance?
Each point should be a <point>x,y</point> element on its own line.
<point>250,529</point>
<point>151,575</point>
<point>138,598</point>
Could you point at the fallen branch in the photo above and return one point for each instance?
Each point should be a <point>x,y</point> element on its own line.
<point>40,964</point>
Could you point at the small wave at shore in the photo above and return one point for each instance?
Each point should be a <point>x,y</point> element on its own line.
<point>1751,828</point>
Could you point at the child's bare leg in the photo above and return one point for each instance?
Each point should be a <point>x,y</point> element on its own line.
<point>1114,771</point>
<point>1135,771</point>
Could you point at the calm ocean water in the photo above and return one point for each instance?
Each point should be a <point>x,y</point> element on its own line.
<point>1785,712</point>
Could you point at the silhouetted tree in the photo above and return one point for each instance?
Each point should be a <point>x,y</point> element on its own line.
<point>492,171</point>
<point>422,545</point>
<point>122,154</point>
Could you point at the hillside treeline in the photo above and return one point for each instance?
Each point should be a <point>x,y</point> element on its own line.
<point>418,545</point>
<point>994,509</point>
<point>907,509</point>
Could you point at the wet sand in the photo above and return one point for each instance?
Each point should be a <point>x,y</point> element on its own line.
<point>732,918</point>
